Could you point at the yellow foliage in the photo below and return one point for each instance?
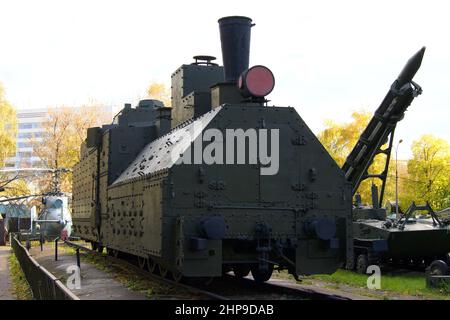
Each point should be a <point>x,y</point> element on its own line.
<point>159,91</point>
<point>17,187</point>
<point>339,140</point>
<point>8,128</point>
<point>429,172</point>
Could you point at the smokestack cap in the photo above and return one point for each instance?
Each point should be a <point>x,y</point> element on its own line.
<point>235,19</point>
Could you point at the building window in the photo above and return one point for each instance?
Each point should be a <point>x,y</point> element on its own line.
<point>29,135</point>
<point>29,125</point>
<point>31,115</point>
<point>37,164</point>
<point>24,154</point>
<point>24,145</point>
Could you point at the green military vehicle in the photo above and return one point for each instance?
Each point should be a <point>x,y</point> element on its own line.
<point>403,241</point>
<point>378,238</point>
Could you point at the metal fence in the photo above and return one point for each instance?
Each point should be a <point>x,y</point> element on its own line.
<point>43,284</point>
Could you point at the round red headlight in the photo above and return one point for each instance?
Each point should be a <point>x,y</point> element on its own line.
<point>258,81</point>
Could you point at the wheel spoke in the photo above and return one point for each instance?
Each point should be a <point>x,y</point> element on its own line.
<point>151,265</point>
<point>142,262</point>
<point>162,271</point>
<point>177,276</point>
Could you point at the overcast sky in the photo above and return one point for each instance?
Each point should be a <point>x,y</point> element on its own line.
<point>329,57</point>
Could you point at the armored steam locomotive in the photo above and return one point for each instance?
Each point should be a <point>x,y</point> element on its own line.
<point>220,181</point>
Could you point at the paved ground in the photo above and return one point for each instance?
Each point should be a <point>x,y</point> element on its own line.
<point>95,284</point>
<point>350,291</point>
<point>315,288</point>
<point>5,281</point>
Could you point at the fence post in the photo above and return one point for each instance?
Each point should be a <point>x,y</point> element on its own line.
<point>78,258</point>
<point>56,249</point>
<point>28,244</point>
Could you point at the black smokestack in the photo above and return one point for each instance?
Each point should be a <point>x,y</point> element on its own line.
<point>235,39</point>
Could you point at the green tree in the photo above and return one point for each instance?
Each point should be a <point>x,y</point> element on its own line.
<point>339,140</point>
<point>8,128</point>
<point>429,172</point>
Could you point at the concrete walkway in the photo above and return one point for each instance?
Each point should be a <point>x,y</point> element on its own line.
<point>5,281</point>
<point>95,284</point>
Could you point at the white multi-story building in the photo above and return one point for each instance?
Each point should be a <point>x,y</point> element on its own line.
<point>29,125</point>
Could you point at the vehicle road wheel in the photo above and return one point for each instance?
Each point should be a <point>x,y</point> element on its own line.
<point>362,262</point>
<point>439,268</point>
<point>241,270</point>
<point>142,262</point>
<point>262,276</point>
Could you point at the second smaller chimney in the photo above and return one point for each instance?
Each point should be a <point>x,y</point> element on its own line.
<point>163,120</point>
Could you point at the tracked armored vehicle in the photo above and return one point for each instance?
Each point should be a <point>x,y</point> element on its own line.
<point>405,242</point>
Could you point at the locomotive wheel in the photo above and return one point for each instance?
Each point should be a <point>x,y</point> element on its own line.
<point>151,264</point>
<point>177,276</point>
<point>162,271</point>
<point>208,281</point>
<point>439,268</point>
<point>261,276</point>
<point>241,270</point>
<point>362,263</point>
<point>142,262</point>
<point>226,269</point>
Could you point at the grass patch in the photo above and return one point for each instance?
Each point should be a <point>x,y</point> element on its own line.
<point>20,288</point>
<point>405,284</point>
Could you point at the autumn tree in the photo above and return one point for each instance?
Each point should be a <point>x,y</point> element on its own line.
<point>8,128</point>
<point>15,185</point>
<point>159,91</point>
<point>339,140</point>
<point>64,131</point>
<point>429,172</point>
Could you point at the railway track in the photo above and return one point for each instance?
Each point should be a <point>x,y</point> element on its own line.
<point>228,287</point>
